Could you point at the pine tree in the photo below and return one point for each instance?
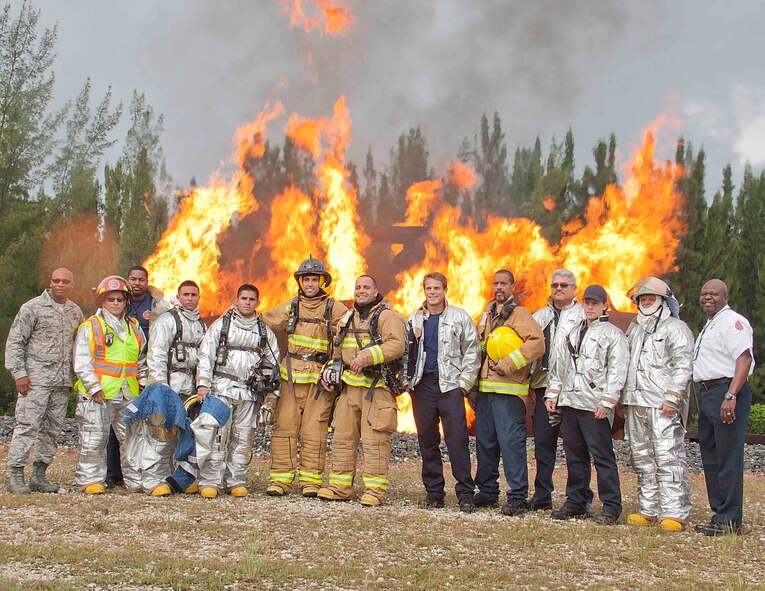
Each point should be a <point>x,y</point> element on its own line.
<point>491,195</point>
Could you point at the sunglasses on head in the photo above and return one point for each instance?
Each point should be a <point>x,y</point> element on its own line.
<point>119,299</point>
<point>561,285</point>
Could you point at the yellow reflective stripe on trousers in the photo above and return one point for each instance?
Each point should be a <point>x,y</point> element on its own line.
<point>377,354</point>
<point>310,477</point>
<point>503,388</point>
<point>286,477</point>
<point>300,340</point>
<point>381,483</point>
<point>518,359</point>
<point>299,377</point>
<point>341,479</point>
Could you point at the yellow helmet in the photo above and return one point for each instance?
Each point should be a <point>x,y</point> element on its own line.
<point>502,341</point>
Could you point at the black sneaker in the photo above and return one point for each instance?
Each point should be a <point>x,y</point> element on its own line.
<point>484,500</point>
<point>114,482</point>
<point>713,529</point>
<point>431,502</point>
<point>606,519</point>
<point>567,512</point>
<point>515,507</point>
<point>537,504</point>
<point>467,505</point>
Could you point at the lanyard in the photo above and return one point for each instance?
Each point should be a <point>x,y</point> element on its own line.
<point>697,349</point>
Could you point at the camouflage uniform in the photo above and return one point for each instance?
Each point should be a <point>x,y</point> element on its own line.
<point>39,346</point>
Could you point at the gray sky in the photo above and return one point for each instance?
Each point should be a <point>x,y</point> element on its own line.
<point>599,66</point>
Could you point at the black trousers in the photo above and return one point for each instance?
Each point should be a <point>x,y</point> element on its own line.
<point>722,453</point>
<point>545,448</point>
<point>113,467</point>
<point>584,435</point>
<point>429,405</point>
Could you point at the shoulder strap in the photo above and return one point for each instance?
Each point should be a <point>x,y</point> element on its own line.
<point>328,323</point>
<point>221,353</point>
<point>178,326</point>
<point>373,324</point>
<point>294,316</point>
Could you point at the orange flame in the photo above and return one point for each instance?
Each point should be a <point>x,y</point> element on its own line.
<point>549,203</point>
<point>421,197</point>
<point>461,175</point>
<point>332,19</point>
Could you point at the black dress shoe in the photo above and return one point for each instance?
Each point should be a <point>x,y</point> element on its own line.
<point>484,500</point>
<point>606,519</point>
<point>515,507</point>
<point>537,504</point>
<point>466,503</point>
<point>431,502</point>
<point>567,512</point>
<point>114,482</point>
<point>717,529</point>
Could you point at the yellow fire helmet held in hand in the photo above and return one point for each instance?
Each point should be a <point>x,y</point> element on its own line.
<point>502,341</point>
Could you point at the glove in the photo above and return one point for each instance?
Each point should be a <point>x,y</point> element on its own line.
<point>331,377</point>
<point>265,415</point>
<point>554,418</point>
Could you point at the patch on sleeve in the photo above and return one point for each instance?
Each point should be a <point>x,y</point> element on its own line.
<point>738,325</point>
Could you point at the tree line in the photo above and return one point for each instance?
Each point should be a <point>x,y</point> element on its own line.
<point>59,202</point>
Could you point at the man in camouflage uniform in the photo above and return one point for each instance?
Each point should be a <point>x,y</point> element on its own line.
<point>38,354</point>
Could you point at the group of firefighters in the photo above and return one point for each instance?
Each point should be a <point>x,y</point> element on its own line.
<point>184,400</point>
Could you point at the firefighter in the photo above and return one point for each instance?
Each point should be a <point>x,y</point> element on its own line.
<point>310,322</point>
<point>237,350</point>
<point>500,408</point>
<point>556,319</point>
<point>38,354</point>
<point>174,341</point>
<point>371,337</point>
<point>443,363</point>
<point>110,363</point>
<point>655,403</point>
<point>585,381</point>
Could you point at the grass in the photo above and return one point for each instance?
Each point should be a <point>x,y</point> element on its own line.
<point>124,541</point>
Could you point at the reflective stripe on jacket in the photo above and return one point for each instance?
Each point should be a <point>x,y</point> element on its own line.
<point>116,362</point>
<point>516,365</point>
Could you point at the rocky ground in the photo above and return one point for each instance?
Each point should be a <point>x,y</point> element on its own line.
<point>405,447</point>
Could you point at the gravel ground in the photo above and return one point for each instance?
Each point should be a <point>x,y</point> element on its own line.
<point>405,447</point>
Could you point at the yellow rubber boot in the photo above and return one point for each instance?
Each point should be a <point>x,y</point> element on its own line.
<point>192,490</point>
<point>671,525</point>
<point>161,490</point>
<point>370,500</point>
<point>95,489</point>
<point>208,492</point>
<point>638,519</point>
<point>239,491</point>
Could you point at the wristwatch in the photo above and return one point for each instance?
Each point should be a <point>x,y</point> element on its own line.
<point>729,396</point>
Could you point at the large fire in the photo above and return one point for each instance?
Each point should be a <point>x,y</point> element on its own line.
<point>625,234</point>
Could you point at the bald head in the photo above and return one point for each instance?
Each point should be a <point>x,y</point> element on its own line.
<point>61,282</point>
<point>714,297</point>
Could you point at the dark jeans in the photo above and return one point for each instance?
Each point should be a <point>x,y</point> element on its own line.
<point>113,467</point>
<point>429,405</point>
<point>500,427</point>
<point>722,453</point>
<point>585,436</point>
<point>545,447</point>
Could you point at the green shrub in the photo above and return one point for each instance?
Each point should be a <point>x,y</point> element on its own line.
<point>757,419</point>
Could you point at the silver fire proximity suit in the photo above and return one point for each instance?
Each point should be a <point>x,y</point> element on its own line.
<point>224,452</point>
<point>93,420</point>
<point>174,340</point>
<point>594,375</point>
<point>567,318</point>
<point>660,370</point>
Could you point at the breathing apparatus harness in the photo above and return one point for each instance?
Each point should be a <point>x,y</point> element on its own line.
<point>292,322</point>
<point>178,347</point>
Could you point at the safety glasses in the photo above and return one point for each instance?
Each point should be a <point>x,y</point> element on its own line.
<point>119,299</point>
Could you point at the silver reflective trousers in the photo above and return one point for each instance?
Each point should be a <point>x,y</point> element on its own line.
<point>93,422</point>
<point>149,450</point>
<point>657,444</point>
<point>224,452</point>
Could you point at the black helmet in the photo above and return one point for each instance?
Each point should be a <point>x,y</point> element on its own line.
<point>313,266</point>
